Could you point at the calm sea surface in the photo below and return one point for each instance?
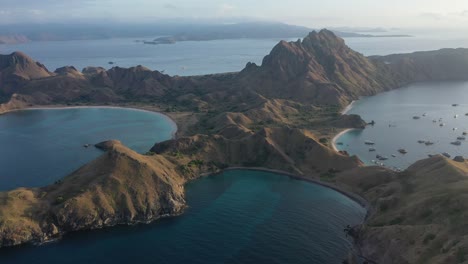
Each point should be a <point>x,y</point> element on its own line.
<point>237,217</point>
<point>396,128</point>
<point>40,146</point>
<point>203,57</point>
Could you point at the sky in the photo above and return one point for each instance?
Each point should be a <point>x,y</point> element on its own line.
<point>311,13</point>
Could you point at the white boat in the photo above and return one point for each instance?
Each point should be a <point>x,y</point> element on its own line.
<point>442,124</point>
<point>455,116</point>
<point>393,155</point>
<point>368,142</point>
<point>446,154</point>
<point>402,151</point>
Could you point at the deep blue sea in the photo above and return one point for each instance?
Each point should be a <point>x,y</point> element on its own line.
<point>237,217</point>
<point>396,128</point>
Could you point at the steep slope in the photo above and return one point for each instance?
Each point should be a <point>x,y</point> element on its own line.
<point>419,214</point>
<point>16,69</point>
<point>440,65</point>
<point>120,187</point>
<point>320,69</point>
<point>281,148</point>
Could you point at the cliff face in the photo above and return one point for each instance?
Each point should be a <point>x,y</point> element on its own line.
<point>320,69</point>
<point>120,187</point>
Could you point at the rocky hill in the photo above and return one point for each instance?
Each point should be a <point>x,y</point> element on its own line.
<point>318,70</point>
<point>419,214</point>
<point>440,65</point>
<point>120,187</point>
<point>279,115</point>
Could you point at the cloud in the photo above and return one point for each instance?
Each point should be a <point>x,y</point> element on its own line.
<point>434,16</point>
<point>170,6</point>
<point>226,9</point>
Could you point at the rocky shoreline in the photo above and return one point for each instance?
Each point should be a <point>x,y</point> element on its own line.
<point>281,115</point>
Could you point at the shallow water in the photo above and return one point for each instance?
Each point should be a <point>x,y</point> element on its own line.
<point>39,147</point>
<point>238,217</point>
<point>395,127</point>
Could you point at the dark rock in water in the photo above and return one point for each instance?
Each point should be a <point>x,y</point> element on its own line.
<point>106,145</point>
<point>459,159</point>
<point>349,121</point>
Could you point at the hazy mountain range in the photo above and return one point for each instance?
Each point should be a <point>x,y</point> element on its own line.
<point>20,33</point>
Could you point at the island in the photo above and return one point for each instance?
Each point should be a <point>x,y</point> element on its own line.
<point>281,115</point>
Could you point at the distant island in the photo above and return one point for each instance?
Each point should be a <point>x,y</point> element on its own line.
<point>281,115</point>
<point>170,32</point>
<point>229,35</point>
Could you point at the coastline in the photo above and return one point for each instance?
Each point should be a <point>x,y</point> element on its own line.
<point>335,138</point>
<point>348,107</point>
<point>132,108</point>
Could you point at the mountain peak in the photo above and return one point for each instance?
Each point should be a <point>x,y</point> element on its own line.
<point>23,66</point>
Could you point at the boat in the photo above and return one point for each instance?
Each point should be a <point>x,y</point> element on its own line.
<point>367,142</point>
<point>371,149</point>
<point>434,121</point>
<point>402,151</point>
<point>428,143</point>
<point>393,155</point>
<point>416,117</point>
<point>466,114</point>
<point>461,138</point>
<point>454,104</point>
<point>111,62</point>
<point>339,143</point>
<point>456,143</point>
<point>454,128</point>
<point>455,116</point>
<point>465,133</point>
<point>424,114</point>
<point>379,157</point>
<point>86,145</point>
<point>442,124</point>
<point>421,141</point>
<point>446,154</point>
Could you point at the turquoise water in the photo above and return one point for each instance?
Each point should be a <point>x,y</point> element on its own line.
<point>237,217</point>
<point>40,146</point>
<point>395,127</point>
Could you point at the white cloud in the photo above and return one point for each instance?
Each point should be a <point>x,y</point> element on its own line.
<point>226,9</point>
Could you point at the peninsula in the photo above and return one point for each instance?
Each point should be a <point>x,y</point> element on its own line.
<point>279,115</point>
